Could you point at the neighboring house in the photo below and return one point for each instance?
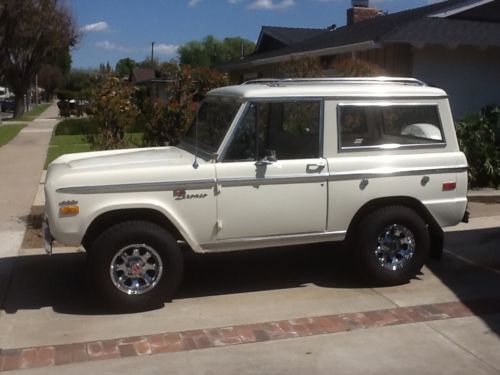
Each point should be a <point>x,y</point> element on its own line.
<point>154,82</point>
<point>453,44</point>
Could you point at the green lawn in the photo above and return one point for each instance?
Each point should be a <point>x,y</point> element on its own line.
<point>7,132</point>
<point>61,144</point>
<point>30,115</point>
<point>34,113</point>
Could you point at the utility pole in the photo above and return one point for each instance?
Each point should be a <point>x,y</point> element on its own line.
<point>152,51</point>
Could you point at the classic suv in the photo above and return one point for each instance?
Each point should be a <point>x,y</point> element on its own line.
<point>373,162</point>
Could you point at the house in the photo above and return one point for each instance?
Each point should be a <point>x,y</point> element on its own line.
<point>154,82</point>
<point>453,44</point>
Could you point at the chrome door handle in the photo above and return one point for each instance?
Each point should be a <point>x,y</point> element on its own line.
<point>320,164</point>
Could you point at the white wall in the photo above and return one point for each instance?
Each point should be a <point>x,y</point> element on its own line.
<point>470,76</point>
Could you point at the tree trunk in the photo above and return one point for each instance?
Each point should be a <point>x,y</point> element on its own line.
<point>19,104</point>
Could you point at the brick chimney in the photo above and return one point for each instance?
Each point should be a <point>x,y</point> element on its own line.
<point>361,11</point>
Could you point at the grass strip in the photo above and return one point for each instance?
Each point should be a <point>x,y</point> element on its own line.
<point>8,132</point>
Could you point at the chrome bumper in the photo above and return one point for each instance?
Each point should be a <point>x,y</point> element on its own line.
<point>47,237</point>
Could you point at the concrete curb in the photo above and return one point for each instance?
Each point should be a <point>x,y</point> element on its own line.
<point>484,195</point>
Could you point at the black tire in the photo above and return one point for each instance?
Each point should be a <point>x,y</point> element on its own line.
<point>135,246</point>
<point>386,238</point>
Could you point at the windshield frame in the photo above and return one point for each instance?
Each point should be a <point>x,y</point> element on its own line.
<point>191,145</point>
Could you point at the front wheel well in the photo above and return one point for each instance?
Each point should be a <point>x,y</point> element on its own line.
<point>435,230</point>
<point>110,218</point>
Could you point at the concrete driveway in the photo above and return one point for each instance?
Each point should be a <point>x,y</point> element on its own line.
<point>445,321</point>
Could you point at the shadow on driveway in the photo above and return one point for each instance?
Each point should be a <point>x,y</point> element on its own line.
<point>59,281</point>
<point>470,268</point>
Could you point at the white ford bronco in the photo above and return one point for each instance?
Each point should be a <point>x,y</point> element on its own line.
<point>373,162</point>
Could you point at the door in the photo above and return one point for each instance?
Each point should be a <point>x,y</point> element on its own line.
<point>272,178</point>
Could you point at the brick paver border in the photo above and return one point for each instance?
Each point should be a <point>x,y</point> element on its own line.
<point>55,355</point>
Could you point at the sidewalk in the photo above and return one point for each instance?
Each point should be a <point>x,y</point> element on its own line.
<point>21,164</point>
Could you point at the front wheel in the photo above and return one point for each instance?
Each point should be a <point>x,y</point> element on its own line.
<point>136,265</point>
<point>393,245</point>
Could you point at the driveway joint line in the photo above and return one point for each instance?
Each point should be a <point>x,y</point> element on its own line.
<point>446,337</point>
<point>472,263</point>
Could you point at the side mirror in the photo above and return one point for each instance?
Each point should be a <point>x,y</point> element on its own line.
<point>268,159</point>
<point>271,156</point>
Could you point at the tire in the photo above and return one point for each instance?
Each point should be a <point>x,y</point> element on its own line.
<point>135,266</point>
<point>393,245</point>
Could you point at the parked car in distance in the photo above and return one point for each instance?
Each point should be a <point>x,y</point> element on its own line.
<point>372,162</point>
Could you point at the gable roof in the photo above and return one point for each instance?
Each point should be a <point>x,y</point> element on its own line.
<point>284,36</point>
<point>409,26</point>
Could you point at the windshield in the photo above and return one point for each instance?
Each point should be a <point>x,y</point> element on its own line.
<point>214,119</point>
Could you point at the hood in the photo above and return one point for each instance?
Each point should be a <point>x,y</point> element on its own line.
<point>130,158</point>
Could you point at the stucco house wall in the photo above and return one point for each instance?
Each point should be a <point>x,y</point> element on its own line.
<point>470,76</point>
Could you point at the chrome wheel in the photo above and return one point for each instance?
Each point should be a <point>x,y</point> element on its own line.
<point>136,269</point>
<point>395,247</point>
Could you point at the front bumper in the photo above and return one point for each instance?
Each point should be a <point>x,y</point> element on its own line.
<point>47,237</point>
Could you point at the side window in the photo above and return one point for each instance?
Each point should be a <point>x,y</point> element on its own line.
<point>290,129</point>
<point>388,125</point>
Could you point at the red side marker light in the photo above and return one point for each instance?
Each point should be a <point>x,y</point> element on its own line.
<point>449,186</point>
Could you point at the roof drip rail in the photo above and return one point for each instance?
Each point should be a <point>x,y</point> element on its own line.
<point>285,81</point>
<point>261,81</point>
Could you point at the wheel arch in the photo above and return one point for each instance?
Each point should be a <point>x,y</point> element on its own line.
<point>435,231</point>
<point>116,216</point>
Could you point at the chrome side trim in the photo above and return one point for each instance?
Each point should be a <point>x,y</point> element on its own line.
<point>246,181</point>
<point>345,176</point>
<point>272,241</point>
<point>397,147</point>
<point>139,187</point>
<point>277,180</point>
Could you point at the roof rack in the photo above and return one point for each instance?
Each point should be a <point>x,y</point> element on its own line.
<point>286,81</point>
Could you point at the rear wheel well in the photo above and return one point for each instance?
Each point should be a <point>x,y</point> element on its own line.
<point>435,230</point>
<point>108,219</point>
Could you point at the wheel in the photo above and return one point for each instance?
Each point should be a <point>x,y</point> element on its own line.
<point>136,265</point>
<point>392,246</point>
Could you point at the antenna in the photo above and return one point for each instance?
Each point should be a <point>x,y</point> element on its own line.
<point>195,163</point>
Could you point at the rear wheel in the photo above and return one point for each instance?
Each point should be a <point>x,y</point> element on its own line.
<point>393,245</point>
<point>136,265</point>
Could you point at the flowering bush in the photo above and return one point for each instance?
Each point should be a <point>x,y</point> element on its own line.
<point>114,113</point>
<point>186,87</point>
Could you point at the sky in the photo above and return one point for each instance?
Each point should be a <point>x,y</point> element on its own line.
<point>114,29</point>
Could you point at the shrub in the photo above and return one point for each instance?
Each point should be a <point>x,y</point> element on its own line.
<point>478,136</point>
<point>357,68</point>
<point>80,126</point>
<point>114,113</point>
<point>164,123</point>
<point>305,67</point>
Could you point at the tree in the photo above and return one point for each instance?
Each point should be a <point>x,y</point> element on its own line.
<point>32,33</point>
<point>211,51</point>
<point>124,66</point>
<point>51,77</point>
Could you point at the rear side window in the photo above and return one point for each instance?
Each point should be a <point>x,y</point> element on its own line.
<point>389,126</point>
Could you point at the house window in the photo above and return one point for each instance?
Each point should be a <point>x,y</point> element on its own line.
<point>389,126</point>
<point>291,130</point>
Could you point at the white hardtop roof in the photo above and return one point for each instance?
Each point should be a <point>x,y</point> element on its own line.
<point>329,87</point>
